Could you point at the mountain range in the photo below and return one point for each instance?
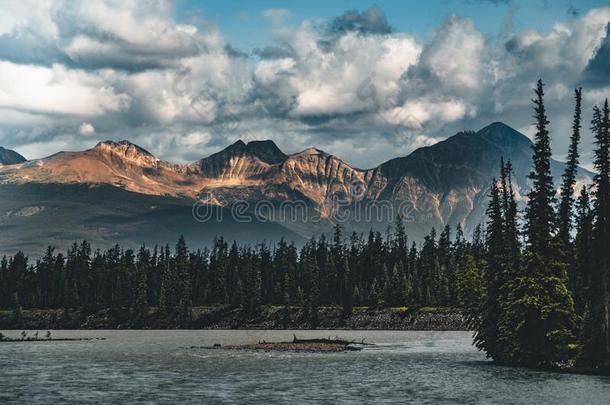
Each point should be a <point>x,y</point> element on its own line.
<point>118,192</point>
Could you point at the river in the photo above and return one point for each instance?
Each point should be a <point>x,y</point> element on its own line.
<point>160,366</point>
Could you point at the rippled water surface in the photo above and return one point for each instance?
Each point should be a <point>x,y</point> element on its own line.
<point>161,366</point>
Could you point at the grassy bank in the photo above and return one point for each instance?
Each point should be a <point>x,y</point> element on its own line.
<point>223,317</point>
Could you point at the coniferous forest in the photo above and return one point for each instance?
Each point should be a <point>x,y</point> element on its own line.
<point>346,271</point>
<point>533,282</point>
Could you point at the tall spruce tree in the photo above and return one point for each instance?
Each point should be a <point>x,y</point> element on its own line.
<point>447,274</point>
<point>569,176</point>
<point>540,215</point>
<point>511,229</point>
<point>167,294</point>
<point>141,284</point>
<point>540,320</point>
<point>477,246</point>
<point>583,251</point>
<point>486,324</point>
<point>183,281</point>
<point>596,351</point>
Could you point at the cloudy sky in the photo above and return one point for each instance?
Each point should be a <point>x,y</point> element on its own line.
<point>365,81</point>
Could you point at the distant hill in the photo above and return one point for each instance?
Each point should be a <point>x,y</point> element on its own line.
<point>10,157</point>
<point>34,216</point>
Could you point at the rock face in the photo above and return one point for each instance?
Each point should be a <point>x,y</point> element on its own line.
<point>446,183</point>
<point>10,157</point>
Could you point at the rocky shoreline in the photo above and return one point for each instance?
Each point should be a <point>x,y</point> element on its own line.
<point>223,317</point>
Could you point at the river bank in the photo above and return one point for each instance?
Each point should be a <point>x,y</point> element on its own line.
<point>222,317</point>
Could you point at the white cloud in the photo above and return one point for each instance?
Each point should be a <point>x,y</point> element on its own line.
<point>57,90</point>
<point>86,128</point>
<point>324,79</point>
<point>366,93</point>
<point>268,71</point>
<point>130,33</point>
<point>415,114</point>
<point>455,56</point>
<point>21,15</point>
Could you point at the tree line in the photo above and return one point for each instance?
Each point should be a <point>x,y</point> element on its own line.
<point>377,270</point>
<point>545,300</point>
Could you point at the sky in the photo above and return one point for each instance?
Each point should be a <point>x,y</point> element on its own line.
<point>364,81</point>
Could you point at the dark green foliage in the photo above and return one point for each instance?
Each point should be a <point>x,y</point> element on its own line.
<point>540,215</point>
<point>569,175</point>
<point>143,269</point>
<point>169,281</point>
<point>372,271</point>
<point>596,351</point>
<point>492,311</point>
<point>181,273</point>
<point>540,317</point>
<point>512,244</point>
<point>469,284</point>
<point>250,279</point>
<point>540,310</point>
<point>579,276</point>
<point>528,313</point>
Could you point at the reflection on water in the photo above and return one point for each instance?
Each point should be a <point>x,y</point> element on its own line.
<point>160,366</point>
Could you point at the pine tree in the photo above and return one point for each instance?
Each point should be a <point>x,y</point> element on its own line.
<point>250,280</point>
<point>182,281</point>
<point>339,266</point>
<point>400,240</point>
<point>267,274</point>
<point>394,288</point>
<point>580,275</point>
<point>127,279</point>
<point>167,292</point>
<point>231,272</point>
<point>310,272</point>
<point>511,230</point>
<point>431,279</point>
<point>218,264</point>
<point>71,299</point>
<point>6,290</point>
<point>596,351</point>
<point>347,295</point>
<point>478,246</point>
<point>487,325</point>
<point>414,275</point>
<point>85,284</point>
<point>569,175</point>
<point>540,215</point>
<point>375,293</point>
<point>469,285</point>
<point>142,270</point>
<point>45,271</point>
<point>447,274</point>
<point>539,323</point>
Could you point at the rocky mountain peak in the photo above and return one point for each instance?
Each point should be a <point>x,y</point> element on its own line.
<point>266,150</point>
<point>311,151</point>
<point>10,157</point>
<point>239,146</point>
<point>126,150</point>
<point>502,135</point>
